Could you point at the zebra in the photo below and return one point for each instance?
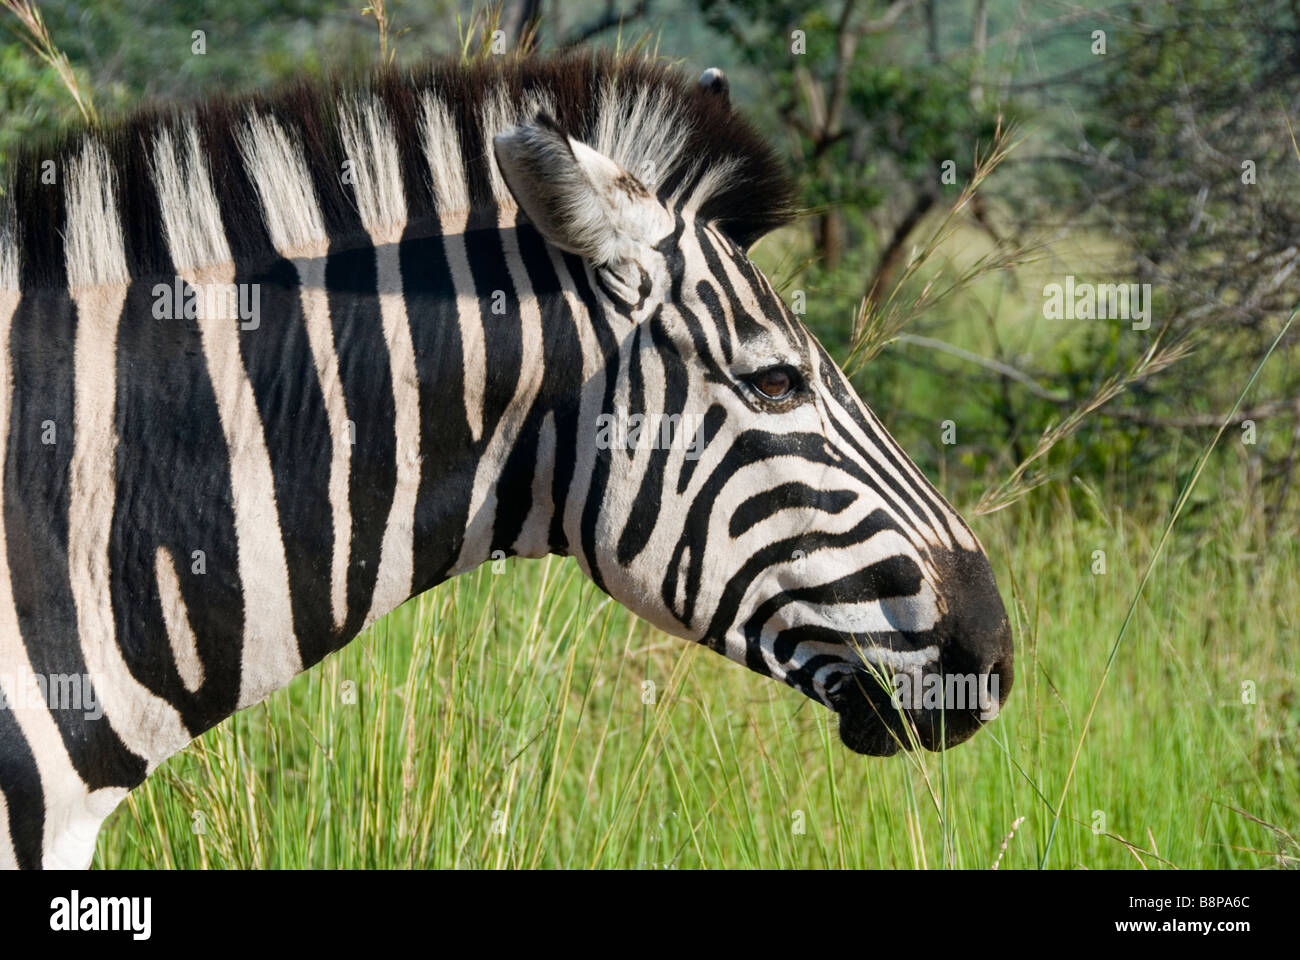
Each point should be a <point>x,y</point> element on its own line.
<point>465,278</point>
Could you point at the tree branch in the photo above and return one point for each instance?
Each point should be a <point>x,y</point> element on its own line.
<point>1188,421</point>
<point>997,366</point>
<point>612,18</point>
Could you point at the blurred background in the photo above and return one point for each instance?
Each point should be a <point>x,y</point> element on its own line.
<point>1149,144</point>
<point>955,158</point>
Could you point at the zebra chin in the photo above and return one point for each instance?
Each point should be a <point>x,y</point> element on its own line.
<point>873,725</point>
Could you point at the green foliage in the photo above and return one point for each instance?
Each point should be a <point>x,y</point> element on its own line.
<point>33,101</point>
<point>912,117</point>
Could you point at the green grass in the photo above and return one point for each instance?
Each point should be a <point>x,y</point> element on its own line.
<point>499,721</point>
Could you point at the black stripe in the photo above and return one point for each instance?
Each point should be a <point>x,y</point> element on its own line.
<point>40,213</point>
<point>635,382</point>
<point>769,303</point>
<point>751,446</point>
<point>609,348</point>
<point>746,327</point>
<point>36,501</point>
<point>173,489</point>
<point>502,332</point>
<point>783,551</point>
<point>144,238</point>
<point>907,484</point>
<point>281,369</point>
<point>365,376</point>
<point>787,496</point>
<point>710,428</point>
<point>20,782</point>
<point>893,576</point>
<point>645,509</point>
<point>801,678</point>
<point>562,388</point>
<point>559,393</point>
<point>447,457</point>
<point>713,373</point>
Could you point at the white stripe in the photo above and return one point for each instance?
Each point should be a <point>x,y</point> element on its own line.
<point>497,114</point>
<point>469,316</point>
<point>147,724</point>
<point>270,655</point>
<point>8,248</point>
<point>369,143</point>
<point>368,136</point>
<point>639,132</point>
<point>8,856</point>
<point>534,539</point>
<point>483,495</point>
<point>176,618</point>
<point>712,181</point>
<point>93,243</point>
<point>441,144</point>
<point>196,236</point>
<point>280,176</point>
<point>297,228</point>
<point>320,334</point>
<point>397,559</point>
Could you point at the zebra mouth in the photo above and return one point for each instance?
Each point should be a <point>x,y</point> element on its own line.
<point>870,723</point>
<point>878,723</point>
<point>871,736</point>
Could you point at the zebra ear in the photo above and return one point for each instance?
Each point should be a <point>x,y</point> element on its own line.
<point>579,199</point>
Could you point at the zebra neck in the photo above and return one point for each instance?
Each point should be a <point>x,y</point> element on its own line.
<point>505,350</point>
<point>450,370</point>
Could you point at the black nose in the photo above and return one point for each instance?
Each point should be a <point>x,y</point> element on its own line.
<point>1003,671</point>
<point>975,644</point>
<point>974,628</point>
<point>959,693</point>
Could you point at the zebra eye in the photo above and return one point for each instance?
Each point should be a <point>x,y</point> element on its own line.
<point>775,383</point>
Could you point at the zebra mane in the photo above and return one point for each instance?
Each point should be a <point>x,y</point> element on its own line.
<point>264,173</point>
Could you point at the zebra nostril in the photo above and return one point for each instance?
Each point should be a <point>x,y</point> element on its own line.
<point>996,678</point>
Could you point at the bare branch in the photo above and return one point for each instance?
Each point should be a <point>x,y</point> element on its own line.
<point>612,18</point>
<point>997,366</point>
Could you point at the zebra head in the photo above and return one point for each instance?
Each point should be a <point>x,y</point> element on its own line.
<point>746,497</point>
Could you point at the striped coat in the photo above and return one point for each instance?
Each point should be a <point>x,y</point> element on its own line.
<point>271,366</point>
